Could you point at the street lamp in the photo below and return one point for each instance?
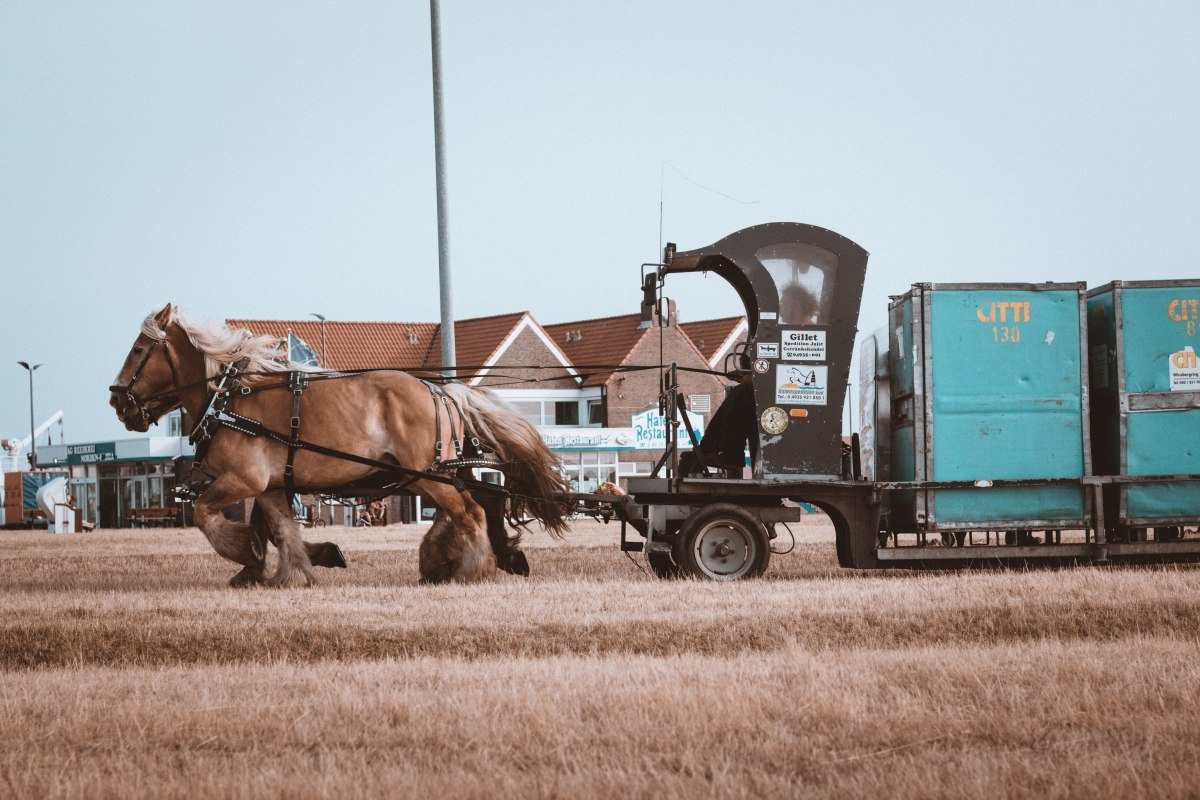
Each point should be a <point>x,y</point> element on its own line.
<point>32,438</point>
<point>322,318</point>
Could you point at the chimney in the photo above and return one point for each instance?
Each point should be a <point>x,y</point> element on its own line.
<point>650,308</point>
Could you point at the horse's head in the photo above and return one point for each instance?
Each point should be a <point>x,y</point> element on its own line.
<point>147,387</point>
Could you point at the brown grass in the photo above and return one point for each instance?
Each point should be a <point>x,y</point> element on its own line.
<point>128,669</point>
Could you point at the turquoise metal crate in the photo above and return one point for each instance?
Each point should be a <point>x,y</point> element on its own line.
<point>989,383</point>
<point>1143,338</point>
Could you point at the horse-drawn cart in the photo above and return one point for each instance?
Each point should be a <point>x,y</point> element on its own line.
<point>979,421</point>
<point>982,408</point>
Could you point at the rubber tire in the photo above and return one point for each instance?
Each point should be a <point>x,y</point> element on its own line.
<point>663,565</point>
<point>717,520</point>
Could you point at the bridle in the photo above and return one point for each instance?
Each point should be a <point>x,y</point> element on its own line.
<point>142,405</point>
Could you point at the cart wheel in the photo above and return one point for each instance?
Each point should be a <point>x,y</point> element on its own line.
<point>663,565</point>
<point>319,522</point>
<point>722,542</point>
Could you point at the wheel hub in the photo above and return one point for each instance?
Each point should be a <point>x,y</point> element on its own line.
<point>723,550</point>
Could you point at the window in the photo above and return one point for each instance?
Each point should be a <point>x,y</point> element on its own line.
<point>566,412</point>
<point>595,412</point>
<point>586,470</point>
<point>529,409</point>
<point>804,275</point>
<point>700,403</point>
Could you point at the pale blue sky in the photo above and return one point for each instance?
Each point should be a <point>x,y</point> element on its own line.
<point>271,159</point>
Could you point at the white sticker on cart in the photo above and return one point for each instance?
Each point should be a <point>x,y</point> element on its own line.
<point>799,385</point>
<point>803,345</point>
<point>768,350</point>
<point>1185,371</point>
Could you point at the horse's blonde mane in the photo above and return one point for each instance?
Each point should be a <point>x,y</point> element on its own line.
<point>221,345</point>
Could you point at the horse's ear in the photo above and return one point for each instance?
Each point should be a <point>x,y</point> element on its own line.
<point>163,315</point>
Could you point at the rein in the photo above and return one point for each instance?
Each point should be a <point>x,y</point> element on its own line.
<point>229,385</point>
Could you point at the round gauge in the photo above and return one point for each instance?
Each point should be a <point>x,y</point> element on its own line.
<point>774,420</point>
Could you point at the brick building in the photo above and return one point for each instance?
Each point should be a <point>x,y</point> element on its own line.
<point>630,398</point>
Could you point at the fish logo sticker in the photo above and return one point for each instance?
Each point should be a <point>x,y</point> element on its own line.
<point>802,385</point>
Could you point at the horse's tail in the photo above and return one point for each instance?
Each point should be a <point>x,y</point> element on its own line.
<point>532,471</point>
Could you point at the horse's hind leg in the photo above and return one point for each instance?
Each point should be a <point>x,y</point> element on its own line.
<point>456,547</point>
<point>294,567</point>
<point>235,541</point>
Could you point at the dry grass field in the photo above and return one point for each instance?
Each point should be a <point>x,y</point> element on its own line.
<point>128,669</point>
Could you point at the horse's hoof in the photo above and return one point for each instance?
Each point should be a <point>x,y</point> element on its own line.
<point>249,576</point>
<point>439,574</point>
<point>325,554</point>
<point>516,564</point>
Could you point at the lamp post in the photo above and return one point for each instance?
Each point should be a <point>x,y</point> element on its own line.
<point>443,225</point>
<point>322,318</point>
<point>32,439</point>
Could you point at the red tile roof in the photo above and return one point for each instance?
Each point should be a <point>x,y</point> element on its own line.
<point>354,345</point>
<point>711,335</point>
<point>476,341</point>
<point>393,345</point>
<point>606,341</point>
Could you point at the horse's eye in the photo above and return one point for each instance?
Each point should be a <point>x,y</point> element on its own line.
<point>137,351</point>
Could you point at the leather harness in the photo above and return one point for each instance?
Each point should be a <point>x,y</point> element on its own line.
<point>230,385</point>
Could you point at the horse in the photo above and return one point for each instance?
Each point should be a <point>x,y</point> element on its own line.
<point>385,426</point>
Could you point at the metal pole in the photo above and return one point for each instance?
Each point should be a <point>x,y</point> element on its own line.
<point>32,438</point>
<point>439,148</point>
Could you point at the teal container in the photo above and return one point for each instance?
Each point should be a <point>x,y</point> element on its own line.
<point>989,383</point>
<point>1143,337</point>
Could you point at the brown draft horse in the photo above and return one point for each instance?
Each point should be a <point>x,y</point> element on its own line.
<point>384,416</point>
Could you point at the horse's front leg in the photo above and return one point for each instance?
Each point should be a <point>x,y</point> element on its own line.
<point>236,541</point>
<point>295,568</point>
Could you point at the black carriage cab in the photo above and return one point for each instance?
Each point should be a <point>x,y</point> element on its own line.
<point>801,286</point>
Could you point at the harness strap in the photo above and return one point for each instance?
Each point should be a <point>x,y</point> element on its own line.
<point>298,382</point>
<point>472,440</point>
<point>252,427</point>
<point>441,471</point>
<point>451,410</point>
<point>434,392</point>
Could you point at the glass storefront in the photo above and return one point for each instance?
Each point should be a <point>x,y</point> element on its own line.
<point>587,469</point>
<point>138,484</point>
